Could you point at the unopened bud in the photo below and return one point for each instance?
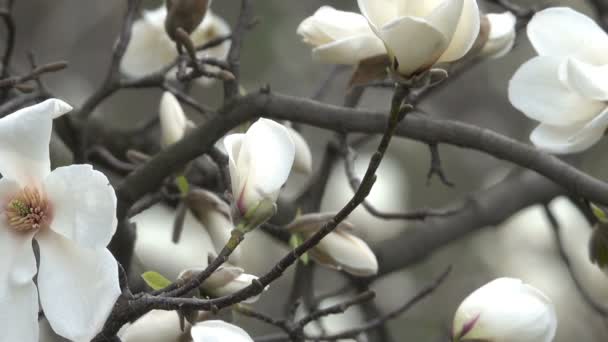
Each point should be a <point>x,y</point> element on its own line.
<point>184,14</point>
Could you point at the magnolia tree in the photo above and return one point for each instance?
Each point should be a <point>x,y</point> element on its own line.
<point>142,233</point>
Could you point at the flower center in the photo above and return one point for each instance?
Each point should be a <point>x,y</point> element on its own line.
<point>28,210</point>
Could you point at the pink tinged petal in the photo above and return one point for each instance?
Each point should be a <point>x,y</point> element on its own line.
<point>413,43</point>
<point>446,16</point>
<point>19,314</point>
<point>537,91</point>
<point>218,331</point>
<point>24,141</point>
<point>379,12</point>
<point>466,33</point>
<point>568,139</point>
<point>561,31</point>
<point>84,205</point>
<point>233,143</point>
<point>78,286</point>
<point>266,156</point>
<point>349,51</point>
<point>587,80</point>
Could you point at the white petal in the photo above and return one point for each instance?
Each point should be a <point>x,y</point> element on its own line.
<point>218,331</point>
<point>328,25</point>
<point>150,48</point>
<point>401,35</point>
<point>233,144</point>
<point>78,286</point>
<point>350,51</point>
<point>379,12</point>
<point>588,80</point>
<point>240,282</point>
<point>466,32</point>
<point>507,310</point>
<point>502,35</point>
<point>84,205</point>
<point>24,141</point>
<point>417,8</point>
<point>446,17</point>
<point>537,91</point>
<point>564,140</point>
<point>303,157</point>
<point>19,314</point>
<point>561,31</point>
<point>267,157</point>
<point>155,326</point>
<point>350,253</point>
<point>173,121</point>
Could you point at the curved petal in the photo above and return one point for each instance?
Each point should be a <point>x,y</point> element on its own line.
<point>446,17</point>
<point>328,25</point>
<point>216,331</point>
<point>84,205</point>
<point>379,12</point>
<point>173,121</point>
<point>349,253</point>
<point>238,283</point>
<point>233,144</point>
<point>561,31</point>
<point>303,157</point>
<point>268,152</point>
<point>413,43</point>
<point>502,35</point>
<point>78,286</point>
<point>466,32</point>
<point>19,314</point>
<point>350,51</point>
<point>588,80</point>
<point>24,141</point>
<point>564,140</point>
<point>537,91</point>
<point>507,310</point>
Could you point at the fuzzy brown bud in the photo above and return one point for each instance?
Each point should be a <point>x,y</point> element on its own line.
<point>184,14</point>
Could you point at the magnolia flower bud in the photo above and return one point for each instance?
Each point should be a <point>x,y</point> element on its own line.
<point>216,330</point>
<point>340,37</point>
<point>184,14</point>
<point>260,162</point>
<point>173,121</point>
<point>155,326</point>
<point>225,281</point>
<point>303,157</point>
<point>419,34</point>
<point>505,310</point>
<point>339,249</point>
<point>501,36</point>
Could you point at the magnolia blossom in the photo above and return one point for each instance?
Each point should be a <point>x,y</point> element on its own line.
<point>71,212</point>
<point>228,280</point>
<point>173,121</point>
<point>339,249</point>
<point>418,34</point>
<point>151,49</point>
<point>501,35</point>
<point>215,330</point>
<point>260,162</point>
<point>565,87</point>
<point>155,326</point>
<point>505,310</point>
<point>303,157</point>
<point>340,37</point>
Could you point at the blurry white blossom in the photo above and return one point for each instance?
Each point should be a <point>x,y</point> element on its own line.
<point>215,330</point>
<point>566,86</point>
<point>173,121</point>
<point>505,310</point>
<point>155,326</point>
<point>501,35</point>
<point>151,49</point>
<point>303,156</point>
<point>71,212</point>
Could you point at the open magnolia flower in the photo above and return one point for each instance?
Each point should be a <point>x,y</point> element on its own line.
<point>71,212</point>
<point>505,310</point>
<point>340,37</point>
<point>418,34</point>
<point>566,86</point>
<point>151,49</point>
<point>215,330</point>
<point>260,162</point>
<point>339,249</point>
<point>501,35</point>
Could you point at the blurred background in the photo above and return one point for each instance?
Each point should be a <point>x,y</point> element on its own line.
<point>82,32</point>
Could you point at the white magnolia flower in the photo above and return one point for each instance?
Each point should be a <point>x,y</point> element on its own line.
<point>501,37</point>
<point>228,280</point>
<point>505,310</point>
<point>340,37</point>
<point>173,121</point>
<point>339,249</point>
<point>418,34</point>
<point>151,49</point>
<point>303,158</point>
<point>215,330</point>
<point>260,162</point>
<point>71,212</point>
<point>566,86</point>
<point>155,326</point>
